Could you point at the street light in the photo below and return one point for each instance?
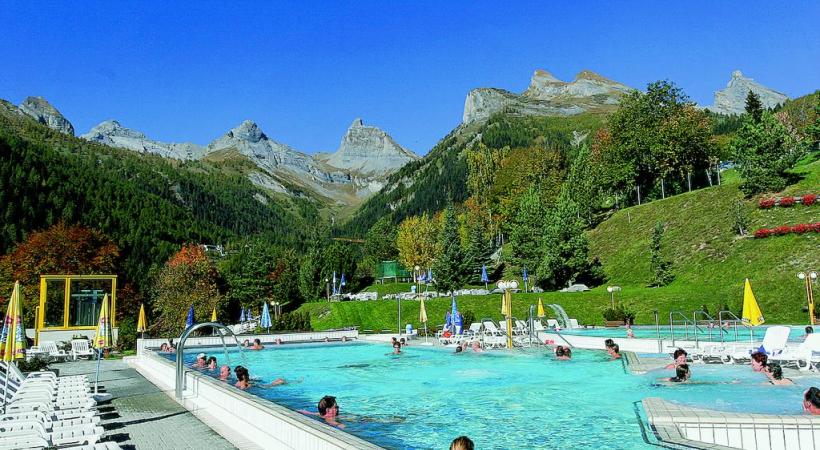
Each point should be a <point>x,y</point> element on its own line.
<point>809,277</point>
<point>327,288</point>
<point>612,290</point>
<point>508,286</point>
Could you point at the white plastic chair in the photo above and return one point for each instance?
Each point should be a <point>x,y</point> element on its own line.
<point>50,347</point>
<point>774,341</point>
<point>79,349</point>
<point>803,355</point>
<point>573,323</point>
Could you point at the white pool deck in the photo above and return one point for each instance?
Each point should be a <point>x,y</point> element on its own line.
<point>249,422</point>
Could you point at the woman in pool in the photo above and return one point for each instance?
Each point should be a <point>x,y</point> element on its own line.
<point>563,353</point>
<point>200,361</point>
<point>163,348</point>
<point>775,374</point>
<point>396,348</point>
<point>811,401</point>
<point>679,358</point>
<point>614,351</point>
<point>759,361</point>
<point>477,347</point>
<point>244,379</point>
<point>328,410</point>
<point>608,343</point>
<point>224,372</point>
<point>211,363</point>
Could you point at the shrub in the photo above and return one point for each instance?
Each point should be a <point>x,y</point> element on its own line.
<point>763,233</point>
<point>35,364</point>
<point>782,229</point>
<point>787,202</point>
<point>809,199</point>
<point>467,318</point>
<point>619,313</point>
<point>800,229</point>
<point>766,203</point>
<point>127,334</point>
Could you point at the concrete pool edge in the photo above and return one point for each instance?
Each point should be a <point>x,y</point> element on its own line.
<point>705,428</point>
<point>247,421</point>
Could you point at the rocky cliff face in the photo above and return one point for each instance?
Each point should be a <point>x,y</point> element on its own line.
<point>369,151</point>
<point>46,114</point>
<point>732,100</point>
<point>112,133</point>
<point>547,96</point>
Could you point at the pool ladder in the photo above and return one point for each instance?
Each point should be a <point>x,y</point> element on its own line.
<point>179,386</point>
<point>697,330</point>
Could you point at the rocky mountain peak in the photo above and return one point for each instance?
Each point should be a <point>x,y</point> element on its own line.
<point>249,131</point>
<point>369,151</point>
<point>732,100</point>
<point>114,134</point>
<point>45,113</point>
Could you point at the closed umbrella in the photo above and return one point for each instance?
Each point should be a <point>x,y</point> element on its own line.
<point>484,278</point>
<point>525,277</point>
<point>752,315</point>
<point>541,313</point>
<point>142,324</point>
<point>342,282</point>
<point>448,321</point>
<point>102,339</point>
<point>264,321</point>
<point>189,321</point>
<point>423,317</point>
<point>455,316</point>
<point>242,315</point>
<point>213,315</point>
<point>12,340</point>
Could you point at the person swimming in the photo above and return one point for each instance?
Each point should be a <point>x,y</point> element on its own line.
<point>775,374</point>
<point>562,353</point>
<point>211,363</point>
<point>224,372</point>
<point>811,401</point>
<point>200,361</point>
<point>477,347</point>
<point>682,374</point>
<point>257,345</point>
<point>328,410</point>
<point>679,357</point>
<point>614,351</point>
<point>396,348</point>
<point>244,379</point>
<point>759,361</point>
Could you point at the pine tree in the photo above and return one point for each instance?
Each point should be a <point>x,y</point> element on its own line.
<point>661,268</point>
<point>754,108</point>
<point>479,247</point>
<point>528,230</point>
<point>450,266</point>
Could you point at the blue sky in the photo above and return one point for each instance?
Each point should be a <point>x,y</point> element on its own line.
<point>304,70</point>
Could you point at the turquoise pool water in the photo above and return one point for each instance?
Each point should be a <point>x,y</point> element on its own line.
<point>650,332</point>
<point>427,396</point>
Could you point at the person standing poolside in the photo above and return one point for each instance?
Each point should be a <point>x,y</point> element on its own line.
<point>759,361</point>
<point>328,410</point>
<point>462,443</point>
<point>224,372</point>
<point>775,374</point>
<point>811,401</point>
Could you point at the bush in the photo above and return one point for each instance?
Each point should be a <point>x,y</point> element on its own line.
<point>766,203</point>
<point>800,229</point>
<point>782,230</point>
<point>809,199</point>
<point>619,313</point>
<point>763,233</point>
<point>127,334</point>
<point>787,202</point>
<point>35,364</point>
<point>467,318</point>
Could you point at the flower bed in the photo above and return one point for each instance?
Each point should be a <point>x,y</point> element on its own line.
<point>806,200</point>
<point>786,229</point>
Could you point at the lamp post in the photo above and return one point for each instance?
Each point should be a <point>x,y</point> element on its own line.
<point>327,288</point>
<point>809,277</point>
<point>612,290</point>
<point>507,286</point>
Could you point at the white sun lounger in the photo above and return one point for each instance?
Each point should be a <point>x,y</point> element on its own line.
<point>80,434</point>
<point>50,347</point>
<point>805,356</point>
<point>79,349</point>
<point>774,341</point>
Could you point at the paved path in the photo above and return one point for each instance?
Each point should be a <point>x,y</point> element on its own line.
<point>140,416</point>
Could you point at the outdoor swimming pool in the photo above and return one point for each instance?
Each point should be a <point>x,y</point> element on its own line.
<point>427,396</point>
<point>650,332</point>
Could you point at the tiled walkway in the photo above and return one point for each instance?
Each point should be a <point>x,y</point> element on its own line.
<point>140,416</point>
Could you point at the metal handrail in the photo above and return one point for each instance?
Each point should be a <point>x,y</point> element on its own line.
<point>735,320</point>
<point>180,353</point>
<point>672,315</point>
<point>707,317</point>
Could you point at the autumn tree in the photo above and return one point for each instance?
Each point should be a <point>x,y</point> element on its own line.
<point>416,241</point>
<point>60,249</point>
<point>188,278</point>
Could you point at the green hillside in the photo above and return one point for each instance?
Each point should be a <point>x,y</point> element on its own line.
<point>710,263</point>
<point>147,204</point>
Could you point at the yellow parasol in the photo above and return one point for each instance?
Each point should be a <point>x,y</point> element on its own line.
<point>102,338</point>
<point>142,324</point>
<point>12,339</point>
<point>751,311</point>
<point>422,312</point>
<point>505,305</point>
<point>213,315</point>
<point>541,313</point>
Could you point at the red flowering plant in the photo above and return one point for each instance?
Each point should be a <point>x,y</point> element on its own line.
<point>766,203</point>
<point>809,199</point>
<point>787,201</point>
<point>800,229</point>
<point>815,227</point>
<point>763,233</point>
<point>782,229</point>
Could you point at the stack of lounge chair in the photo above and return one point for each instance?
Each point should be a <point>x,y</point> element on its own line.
<point>44,411</point>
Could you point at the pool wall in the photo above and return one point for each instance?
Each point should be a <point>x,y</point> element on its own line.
<point>245,420</point>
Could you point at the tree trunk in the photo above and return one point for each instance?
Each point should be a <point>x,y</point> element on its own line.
<point>663,191</point>
<point>689,180</point>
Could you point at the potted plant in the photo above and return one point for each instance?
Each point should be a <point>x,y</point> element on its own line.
<point>613,317</point>
<point>37,364</point>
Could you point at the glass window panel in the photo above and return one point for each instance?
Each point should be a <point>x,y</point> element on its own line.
<point>55,303</point>
<point>86,300</point>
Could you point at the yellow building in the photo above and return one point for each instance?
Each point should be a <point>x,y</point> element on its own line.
<point>70,305</point>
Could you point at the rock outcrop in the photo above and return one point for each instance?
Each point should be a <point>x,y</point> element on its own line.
<point>46,114</point>
<point>113,134</point>
<point>732,100</point>
<point>546,96</point>
<point>369,151</point>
